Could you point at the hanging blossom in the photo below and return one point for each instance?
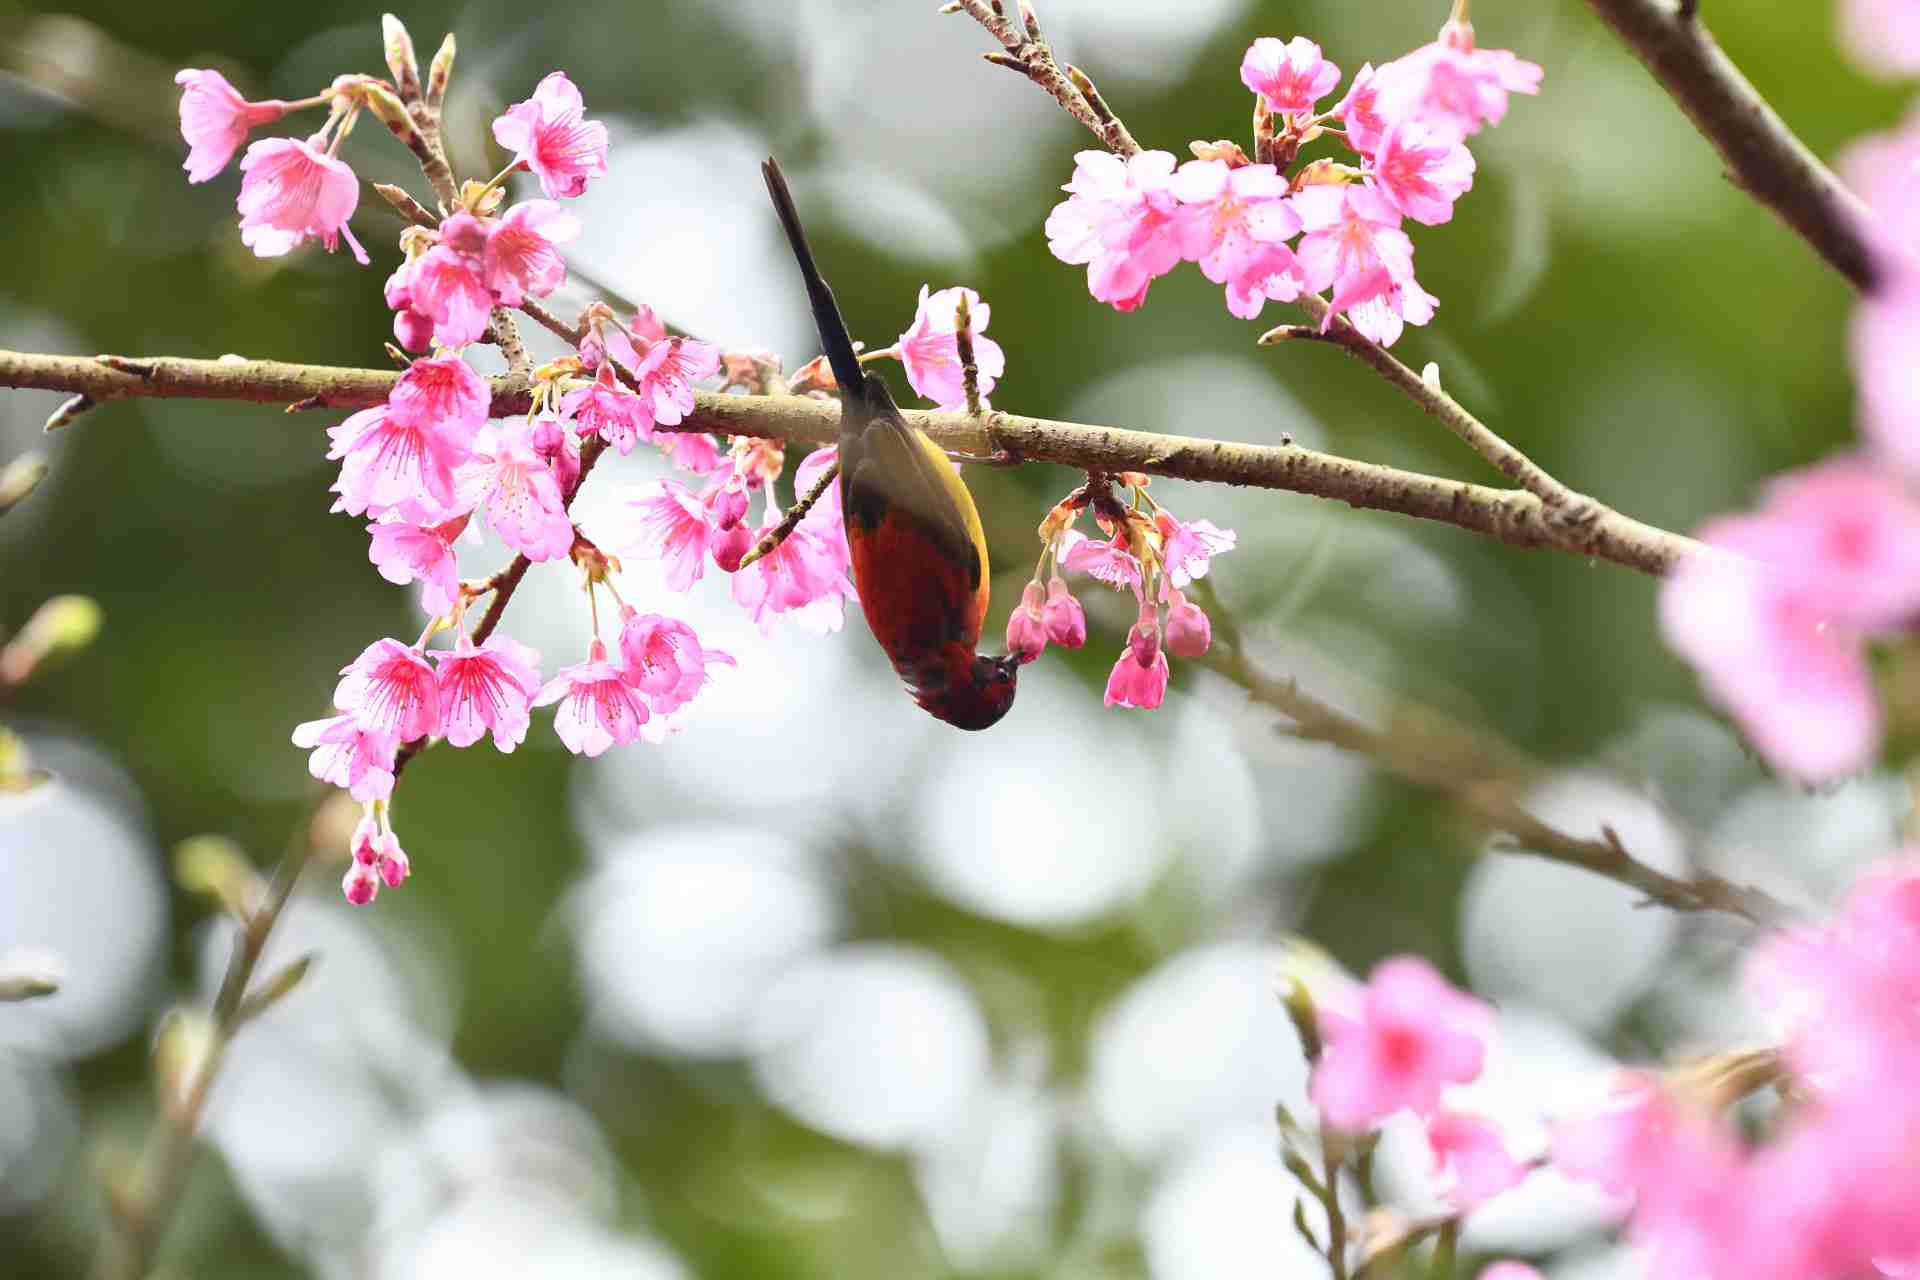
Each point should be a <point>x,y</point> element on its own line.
<point>598,708</point>
<point>291,192</point>
<point>215,120</point>
<point>399,458</point>
<point>550,135</point>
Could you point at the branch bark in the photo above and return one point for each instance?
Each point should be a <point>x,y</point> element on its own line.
<point>1515,517</point>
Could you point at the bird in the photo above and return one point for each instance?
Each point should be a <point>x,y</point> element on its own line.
<point>918,551</point>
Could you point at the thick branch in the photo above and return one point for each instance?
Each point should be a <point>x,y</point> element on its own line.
<point>1513,517</point>
<point>1762,155</point>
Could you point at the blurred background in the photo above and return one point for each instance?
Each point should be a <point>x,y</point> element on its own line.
<point>821,987</point>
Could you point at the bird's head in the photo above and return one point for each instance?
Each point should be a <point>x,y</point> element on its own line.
<point>975,694</point>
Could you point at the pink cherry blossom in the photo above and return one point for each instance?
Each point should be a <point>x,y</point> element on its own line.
<point>360,885</point>
<point>1121,221</point>
<point>1353,245</point>
<point>553,445</point>
<point>805,576</point>
<point>1420,171</point>
<point>693,451</point>
<point>609,410</point>
<point>520,260</point>
<point>1188,549</point>
<point>1507,1269</point>
<point>523,499</point>
<point>388,466</point>
<point>1621,1144</point>
<point>364,846</point>
<point>350,756</point>
<point>1359,111</point>
<point>1290,75</point>
<point>391,688</point>
<point>1452,87</point>
<point>1066,621</point>
<point>487,688</point>
<point>1139,678</point>
<point>664,660</point>
<point>445,395</point>
<point>1884,169</point>
<point>1111,562</point>
<point>1235,224</point>
<point>730,546</point>
<point>826,515</point>
<point>550,134</point>
<point>1385,316</point>
<point>292,192</point>
<point>1886,367</point>
<point>1027,628</point>
<point>930,350</point>
<point>445,286</point>
<point>1412,1036</point>
<point>1189,633</point>
<point>412,329</point>
<point>215,120</point>
<point>625,342</point>
<point>1883,36</point>
<point>598,709</point>
<point>1469,1150</point>
<point>662,520</point>
<point>667,373</point>
<point>391,861</point>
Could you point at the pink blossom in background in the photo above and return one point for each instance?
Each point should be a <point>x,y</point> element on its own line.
<point>1622,1143</point>
<point>1412,1036</point>
<point>348,755</point>
<point>1235,224</point>
<point>664,660</point>
<point>1139,678</point>
<point>1291,75</point>
<point>1359,111</point>
<point>1027,627</point>
<point>667,373</point>
<point>519,259</point>
<point>1111,562</point>
<point>1777,635</point>
<point>487,688</point>
<point>930,351</point>
<point>1883,36</point>
<point>215,120</point>
<point>391,688</point>
<point>663,521</point>
<point>391,861</point>
<point>1353,244</point>
<point>693,451</point>
<point>444,285</point>
<point>1189,633</point>
<point>1187,549</point>
<point>826,515</point>
<point>1066,620</point>
<point>1469,1151</point>
<point>550,135</point>
<point>1120,221</point>
<point>389,466</point>
<point>1506,1269</point>
<point>1885,343</point>
<point>1884,170</point>
<point>597,708</point>
<point>292,192</point>
<point>523,499</point>
<point>608,410</point>
<point>1421,172</point>
<point>805,576</point>
<point>1453,90</point>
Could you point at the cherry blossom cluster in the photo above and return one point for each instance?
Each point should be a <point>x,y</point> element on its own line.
<point>1130,221</point>
<point>1396,1047</point>
<point>1829,1192</point>
<point>1148,551</point>
<point>1779,627</point>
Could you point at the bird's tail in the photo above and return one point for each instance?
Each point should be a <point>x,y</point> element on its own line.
<point>826,313</point>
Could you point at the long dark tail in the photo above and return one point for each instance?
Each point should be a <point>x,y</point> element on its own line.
<point>826,313</point>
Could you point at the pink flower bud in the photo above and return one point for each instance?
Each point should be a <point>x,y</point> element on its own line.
<point>727,501</point>
<point>729,546</point>
<point>1026,629</point>
<point>1188,632</point>
<point>366,840</point>
<point>393,864</point>
<point>1066,622</point>
<point>360,884</point>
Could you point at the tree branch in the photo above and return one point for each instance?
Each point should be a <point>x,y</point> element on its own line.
<point>1762,155</point>
<point>1514,517</point>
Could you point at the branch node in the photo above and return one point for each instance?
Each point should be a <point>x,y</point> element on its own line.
<point>72,408</point>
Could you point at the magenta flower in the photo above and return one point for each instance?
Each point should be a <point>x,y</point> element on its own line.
<point>1189,633</point>
<point>1508,1269</point>
<point>1452,87</point>
<point>553,445</point>
<point>523,499</point>
<point>597,707</point>
<point>360,885</point>
<point>667,373</point>
<point>445,395</point>
<point>1469,1149</point>
<point>487,689</point>
<point>1066,621</point>
<point>519,260</point>
<point>391,688</point>
<point>391,861</point>
<point>1139,678</point>
<point>664,660</point>
<point>930,349</point>
<point>805,576</point>
<point>1290,75</point>
<point>1359,111</point>
<point>664,521</point>
<point>1121,220</point>
<point>215,119</point>
<point>412,329</point>
<point>1412,1036</point>
<point>609,410</point>
<point>1421,172</point>
<point>292,192</point>
<point>445,286</point>
<point>1881,167</point>
<point>1235,224</point>
<point>1111,562</point>
<point>388,466</point>
<point>349,756</point>
<point>1027,628</point>
<point>549,134</point>
<point>693,451</point>
<point>1187,549</point>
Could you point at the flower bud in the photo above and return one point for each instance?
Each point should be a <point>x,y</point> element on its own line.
<point>1065,620</point>
<point>1189,634</point>
<point>20,478</point>
<point>60,628</point>
<point>731,545</point>
<point>1026,629</point>
<point>392,862</point>
<point>464,232</point>
<point>360,884</point>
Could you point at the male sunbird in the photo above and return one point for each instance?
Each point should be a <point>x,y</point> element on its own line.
<point>919,553</point>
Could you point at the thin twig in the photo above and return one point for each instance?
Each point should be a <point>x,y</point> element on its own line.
<point>963,347</point>
<point>1510,516</point>
<point>1762,155</point>
<point>1028,52</point>
<point>795,514</point>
